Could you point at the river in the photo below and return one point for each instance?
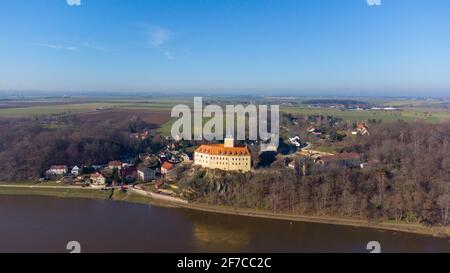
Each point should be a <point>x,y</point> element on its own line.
<point>46,224</point>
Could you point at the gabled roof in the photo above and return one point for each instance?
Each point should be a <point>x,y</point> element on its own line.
<point>220,149</point>
<point>361,126</point>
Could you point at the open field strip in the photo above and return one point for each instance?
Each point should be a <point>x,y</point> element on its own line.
<point>55,191</point>
<point>68,109</point>
<point>387,116</point>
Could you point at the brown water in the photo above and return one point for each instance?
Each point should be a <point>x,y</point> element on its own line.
<point>44,224</point>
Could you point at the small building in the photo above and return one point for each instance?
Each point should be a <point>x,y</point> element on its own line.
<point>57,170</point>
<point>76,171</point>
<point>166,167</point>
<point>98,179</point>
<point>185,158</point>
<point>115,165</point>
<point>362,129</point>
<point>295,141</point>
<point>146,174</point>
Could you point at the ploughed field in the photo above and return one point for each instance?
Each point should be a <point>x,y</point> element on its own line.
<point>156,112</point>
<point>154,116</point>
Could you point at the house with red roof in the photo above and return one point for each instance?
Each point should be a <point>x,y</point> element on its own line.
<point>166,167</point>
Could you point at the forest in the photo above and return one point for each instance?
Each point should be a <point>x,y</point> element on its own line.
<point>28,147</point>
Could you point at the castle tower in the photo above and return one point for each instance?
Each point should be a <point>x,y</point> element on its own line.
<point>229,141</point>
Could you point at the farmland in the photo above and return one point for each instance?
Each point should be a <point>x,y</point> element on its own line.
<point>157,110</point>
<point>409,114</point>
<point>66,108</point>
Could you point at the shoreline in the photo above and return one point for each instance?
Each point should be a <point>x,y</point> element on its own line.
<point>133,197</point>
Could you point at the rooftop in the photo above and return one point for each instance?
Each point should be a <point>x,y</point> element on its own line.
<point>115,163</point>
<point>167,165</point>
<point>220,149</point>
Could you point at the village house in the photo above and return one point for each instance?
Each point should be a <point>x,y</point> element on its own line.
<point>75,171</point>
<point>225,156</point>
<point>57,170</point>
<point>98,179</point>
<point>166,167</point>
<point>115,165</point>
<point>296,141</point>
<point>146,174</point>
<point>362,129</point>
<point>185,158</point>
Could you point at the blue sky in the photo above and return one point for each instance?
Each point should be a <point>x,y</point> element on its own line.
<point>303,47</point>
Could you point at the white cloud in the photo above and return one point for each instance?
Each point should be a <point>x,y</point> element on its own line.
<point>96,47</point>
<point>73,2</point>
<point>158,37</point>
<point>55,46</point>
<point>374,2</point>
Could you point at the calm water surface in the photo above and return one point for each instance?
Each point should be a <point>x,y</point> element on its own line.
<point>45,224</point>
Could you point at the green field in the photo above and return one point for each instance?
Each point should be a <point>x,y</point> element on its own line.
<point>69,109</point>
<point>387,116</point>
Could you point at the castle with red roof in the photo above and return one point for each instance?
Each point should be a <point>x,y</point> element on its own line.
<point>227,156</point>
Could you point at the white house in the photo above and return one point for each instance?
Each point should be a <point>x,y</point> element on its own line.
<point>98,179</point>
<point>57,170</point>
<point>295,141</point>
<point>146,174</point>
<point>76,171</point>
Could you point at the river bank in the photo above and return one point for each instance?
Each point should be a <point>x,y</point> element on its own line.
<point>138,197</point>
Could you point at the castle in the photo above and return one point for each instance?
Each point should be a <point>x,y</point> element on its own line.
<point>227,156</point>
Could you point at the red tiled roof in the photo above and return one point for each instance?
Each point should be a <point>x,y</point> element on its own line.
<point>361,126</point>
<point>167,165</point>
<point>220,149</point>
<point>115,163</point>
